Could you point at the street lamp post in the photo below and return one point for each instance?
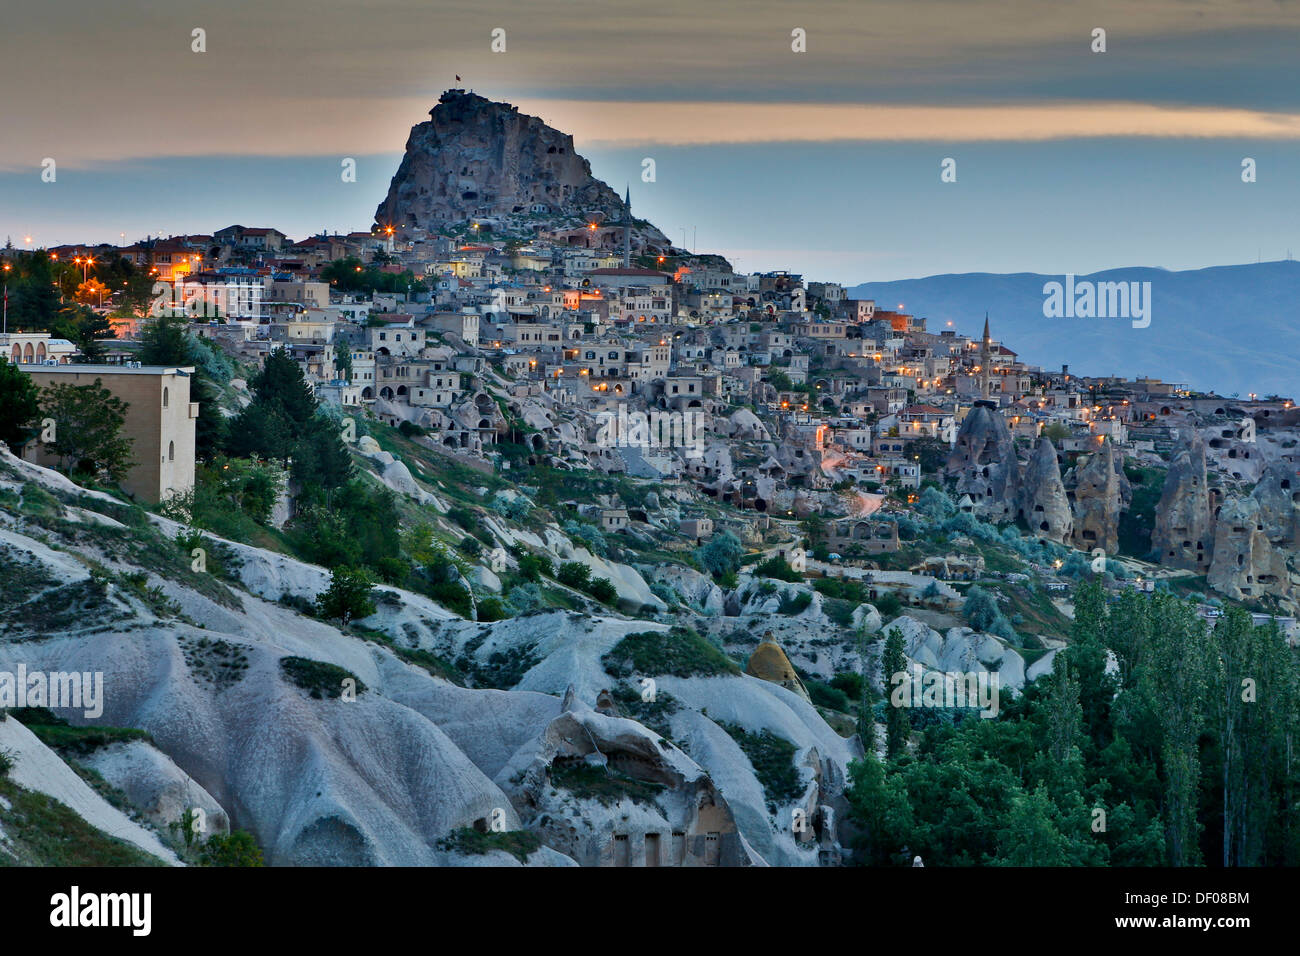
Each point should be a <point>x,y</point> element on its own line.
<point>6,309</point>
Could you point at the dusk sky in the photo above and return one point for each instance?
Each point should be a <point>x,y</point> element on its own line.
<point>825,162</point>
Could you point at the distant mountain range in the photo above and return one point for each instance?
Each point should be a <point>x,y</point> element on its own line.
<point>1227,328</point>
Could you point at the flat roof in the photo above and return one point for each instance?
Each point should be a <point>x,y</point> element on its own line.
<point>113,369</point>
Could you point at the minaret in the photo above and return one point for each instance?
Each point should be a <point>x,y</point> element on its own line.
<point>986,358</point>
<point>627,227</point>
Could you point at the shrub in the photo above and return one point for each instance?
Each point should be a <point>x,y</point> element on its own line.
<point>983,614</point>
<point>796,603</point>
<point>850,682</point>
<point>889,604</point>
<point>524,598</point>
<point>320,679</point>
<point>575,574</point>
<point>350,595</point>
<point>773,760</point>
<point>470,842</point>
<point>681,652</point>
<point>666,593</point>
<point>603,590</point>
<point>591,536</point>
<point>491,609</point>
<point>721,555</point>
<point>777,567</point>
<point>934,504</point>
<point>824,695</point>
<point>237,849</point>
<point>533,566</point>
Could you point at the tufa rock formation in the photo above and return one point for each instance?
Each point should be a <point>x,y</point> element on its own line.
<point>1043,505</point>
<point>1184,529</point>
<point>1278,493</point>
<point>1255,541</point>
<point>983,460</point>
<point>1101,493</point>
<point>769,663</point>
<point>478,158</point>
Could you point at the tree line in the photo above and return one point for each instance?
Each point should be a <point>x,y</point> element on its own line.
<point>1156,740</point>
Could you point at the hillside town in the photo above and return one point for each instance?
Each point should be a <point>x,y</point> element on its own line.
<point>588,343</point>
<point>557,430</point>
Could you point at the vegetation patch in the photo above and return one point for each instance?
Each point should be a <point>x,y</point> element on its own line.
<point>502,670</point>
<point>68,607</point>
<point>57,734</point>
<point>21,574</point>
<point>470,842</point>
<point>603,785</point>
<point>773,761</point>
<point>652,714</point>
<point>321,680</point>
<point>680,652</point>
<point>213,661</point>
<point>431,662</point>
<point>44,832</point>
<point>796,603</point>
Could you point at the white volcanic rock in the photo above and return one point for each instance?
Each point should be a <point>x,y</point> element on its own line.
<point>1043,504</point>
<point>961,649</point>
<point>1101,493</point>
<point>153,783</point>
<point>867,618</point>
<point>383,779</point>
<point>690,816</point>
<point>983,461</point>
<point>696,589</point>
<point>38,768</point>
<point>1043,665</point>
<point>1183,536</point>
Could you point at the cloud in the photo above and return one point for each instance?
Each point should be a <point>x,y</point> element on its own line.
<point>258,129</point>
<point>705,123</point>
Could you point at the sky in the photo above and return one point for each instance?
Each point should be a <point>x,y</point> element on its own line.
<point>826,162</point>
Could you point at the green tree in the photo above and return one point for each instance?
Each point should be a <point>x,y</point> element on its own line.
<point>349,596</point>
<point>898,725</point>
<point>1031,836</point>
<point>1088,659</point>
<point>19,406</point>
<point>283,422</point>
<point>166,341</point>
<point>721,554</point>
<point>84,328</point>
<point>1057,432</point>
<point>878,804</point>
<point>1178,677</point>
<point>88,422</point>
<point>34,302</point>
<point>935,504</point>
<point>575,574</point>
<point>343,361</point>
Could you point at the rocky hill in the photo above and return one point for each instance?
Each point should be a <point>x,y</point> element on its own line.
<point>220,694</point>
<point>476,158</point>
